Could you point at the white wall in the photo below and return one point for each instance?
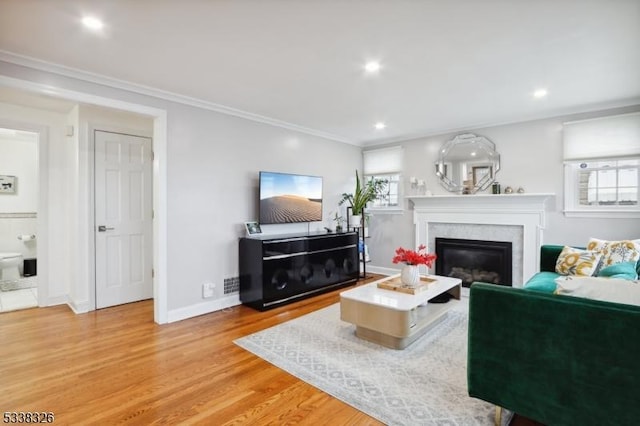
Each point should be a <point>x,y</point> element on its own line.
<point>531,157</point>
<point>213,189</point>
<point>213,163</point>
<point>19,158</point>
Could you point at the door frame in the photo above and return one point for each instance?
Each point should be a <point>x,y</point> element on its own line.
<point>159,116</point>
<point>92,129</point>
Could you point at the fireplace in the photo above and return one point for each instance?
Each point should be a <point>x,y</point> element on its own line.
<point>474,260</point>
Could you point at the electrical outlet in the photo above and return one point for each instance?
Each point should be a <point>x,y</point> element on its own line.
<point>208,290</point>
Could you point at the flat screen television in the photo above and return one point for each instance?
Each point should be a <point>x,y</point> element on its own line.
<point>289,198</point>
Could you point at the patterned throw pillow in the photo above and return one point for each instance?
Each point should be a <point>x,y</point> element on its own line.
<point>573,261</point>
<point>614,252</point>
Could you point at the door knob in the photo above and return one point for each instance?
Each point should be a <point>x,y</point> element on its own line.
<point>102,228</point>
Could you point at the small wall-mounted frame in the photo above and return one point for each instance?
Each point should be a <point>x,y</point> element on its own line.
<point>253,228</point>
<point>7,184</point>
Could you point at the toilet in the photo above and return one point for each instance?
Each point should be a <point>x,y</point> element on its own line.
<point>10,264</point>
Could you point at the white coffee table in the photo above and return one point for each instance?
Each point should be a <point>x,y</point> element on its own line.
<point>394,319</point>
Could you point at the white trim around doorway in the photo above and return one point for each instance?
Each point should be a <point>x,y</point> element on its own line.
<point>160,291</point>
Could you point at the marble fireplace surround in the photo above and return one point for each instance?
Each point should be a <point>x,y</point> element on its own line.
<point>519,218</point>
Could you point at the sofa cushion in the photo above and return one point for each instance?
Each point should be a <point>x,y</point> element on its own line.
<point>542,281</point>
<point>599,288</point>
<point>573,261</point>
<point>624,270</point>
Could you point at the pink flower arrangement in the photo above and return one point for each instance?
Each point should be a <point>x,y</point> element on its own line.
<point>414,257</point>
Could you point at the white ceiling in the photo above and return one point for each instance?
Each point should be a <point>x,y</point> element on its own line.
<point>446,65</point>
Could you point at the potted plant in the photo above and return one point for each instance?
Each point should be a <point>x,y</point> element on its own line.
<point>363,193</point>
<point>338,220</point>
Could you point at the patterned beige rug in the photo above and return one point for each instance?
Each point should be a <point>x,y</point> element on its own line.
<point>424,384</point>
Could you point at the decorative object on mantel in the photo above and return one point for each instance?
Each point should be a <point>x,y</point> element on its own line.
<point>508,190</point>
<point>395,284</point>
<point>495,188</point>
<point>418,186</point>
<point>467,164</point>
<point>410,274</point>
<point>520,190</point>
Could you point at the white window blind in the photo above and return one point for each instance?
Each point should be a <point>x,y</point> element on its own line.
<point>604,137</point>
<point>386,165</point>
<point>382,161</point>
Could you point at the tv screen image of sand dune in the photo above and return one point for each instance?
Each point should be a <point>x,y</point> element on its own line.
<point>290,198</point>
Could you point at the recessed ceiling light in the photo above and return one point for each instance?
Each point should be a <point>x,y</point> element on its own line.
<point>372,67</point>
<point>540,93</point>
<point>92,23</point>
<point>379,125</point>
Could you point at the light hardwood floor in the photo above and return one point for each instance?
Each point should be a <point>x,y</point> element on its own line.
<point>115,366</point>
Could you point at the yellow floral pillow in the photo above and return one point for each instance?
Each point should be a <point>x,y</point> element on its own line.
<point>614,252</point>
<point>573,261</point>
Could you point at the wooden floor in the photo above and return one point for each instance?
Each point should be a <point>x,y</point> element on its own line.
<point>116,366</point>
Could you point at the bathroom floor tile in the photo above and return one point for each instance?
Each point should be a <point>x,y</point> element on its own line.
<point>17,299</point>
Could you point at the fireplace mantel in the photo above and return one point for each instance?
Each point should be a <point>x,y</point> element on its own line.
<point>484,201</point>
<point>525,210</point>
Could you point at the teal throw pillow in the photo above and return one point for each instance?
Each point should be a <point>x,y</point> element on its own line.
<point>624,270</point>
<point>543,282</point>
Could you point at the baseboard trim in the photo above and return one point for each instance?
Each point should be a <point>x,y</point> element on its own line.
<point>382,270</point>
<point>203,308</point>
<point>78,307</point>
<point>57,300</point>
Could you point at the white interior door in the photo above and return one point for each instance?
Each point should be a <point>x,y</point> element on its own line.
<point>123,218</point>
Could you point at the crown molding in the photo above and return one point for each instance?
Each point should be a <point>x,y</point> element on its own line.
<point>564,112</point>
<point>104,80</point>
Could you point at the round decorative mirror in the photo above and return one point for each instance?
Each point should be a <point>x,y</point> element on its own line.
<point>467,164</point>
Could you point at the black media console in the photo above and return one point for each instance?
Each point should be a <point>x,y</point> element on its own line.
<point>279,269</point>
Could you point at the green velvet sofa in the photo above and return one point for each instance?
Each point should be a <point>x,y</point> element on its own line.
<point>558,360</point>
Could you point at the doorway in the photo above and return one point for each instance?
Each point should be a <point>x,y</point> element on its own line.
<point>19,205</point>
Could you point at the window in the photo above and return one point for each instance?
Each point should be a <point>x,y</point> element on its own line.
<point>385,164</point>
<point>598,185</point>
<point>607,183</point>
<point>390,196</point>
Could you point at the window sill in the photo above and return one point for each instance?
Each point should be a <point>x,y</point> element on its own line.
<point>385,210</point>
<point>605,214</point>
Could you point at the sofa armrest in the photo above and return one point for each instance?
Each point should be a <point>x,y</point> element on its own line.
<point>555,359</point>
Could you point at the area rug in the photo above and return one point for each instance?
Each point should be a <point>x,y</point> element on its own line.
<point>425,384</point>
